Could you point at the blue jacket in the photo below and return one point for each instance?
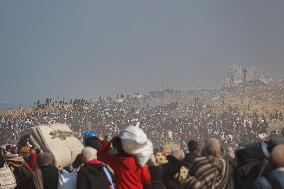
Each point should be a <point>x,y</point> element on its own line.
<point>277,174</point>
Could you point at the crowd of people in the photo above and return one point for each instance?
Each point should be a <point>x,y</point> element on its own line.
<point>225,149</point>
<point>175,122</point>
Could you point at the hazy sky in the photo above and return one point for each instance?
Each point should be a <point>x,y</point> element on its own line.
<point>66,48</point>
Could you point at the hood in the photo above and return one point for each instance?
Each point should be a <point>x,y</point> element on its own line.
<point>94,169</point>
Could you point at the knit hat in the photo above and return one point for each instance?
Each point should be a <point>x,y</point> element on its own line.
<point>93,142</point>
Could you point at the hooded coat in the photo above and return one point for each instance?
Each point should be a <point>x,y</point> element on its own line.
<point>92,176</point>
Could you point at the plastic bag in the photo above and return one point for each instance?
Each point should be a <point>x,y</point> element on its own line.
<point>135,142</point>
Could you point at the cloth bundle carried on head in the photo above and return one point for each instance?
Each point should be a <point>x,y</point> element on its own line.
<point>135,142</point>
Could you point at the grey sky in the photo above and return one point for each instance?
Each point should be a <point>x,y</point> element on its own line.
<point>66,48</point>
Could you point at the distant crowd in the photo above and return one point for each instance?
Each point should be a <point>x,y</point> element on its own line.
<point>194,146</point>
<point>172,122</point>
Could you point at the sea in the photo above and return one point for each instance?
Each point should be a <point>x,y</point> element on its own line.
<point>7,105</point>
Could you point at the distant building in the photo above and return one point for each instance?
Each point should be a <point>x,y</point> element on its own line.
<point>236,74</point>
<point>163,92</point>
<point>119,100</point>
<point>137,95</point>
<point>255,73</point>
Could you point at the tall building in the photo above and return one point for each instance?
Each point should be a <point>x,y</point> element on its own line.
<point>236,74</point>
<point>255,72</point>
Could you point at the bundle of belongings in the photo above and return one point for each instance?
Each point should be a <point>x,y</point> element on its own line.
<point>135,142</point>
<point>59,140</point>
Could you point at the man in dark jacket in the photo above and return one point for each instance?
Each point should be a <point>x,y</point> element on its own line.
<point>175,172</point>
<point>156,175</point>
<point>93,173</point>
<point>192,152</point>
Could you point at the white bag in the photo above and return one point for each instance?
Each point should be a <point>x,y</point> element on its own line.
<point>135,142</point>
<point>7,178</point>
<point>67,180</point>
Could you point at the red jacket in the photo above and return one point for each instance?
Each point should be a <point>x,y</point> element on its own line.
<point>128,174</point>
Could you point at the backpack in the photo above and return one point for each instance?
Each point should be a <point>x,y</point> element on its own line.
<point>7,178</point>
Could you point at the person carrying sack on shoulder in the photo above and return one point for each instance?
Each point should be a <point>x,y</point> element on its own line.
<point>129,163</point>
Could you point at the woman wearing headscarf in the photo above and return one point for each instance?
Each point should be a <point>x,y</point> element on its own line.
<point>46,174</point>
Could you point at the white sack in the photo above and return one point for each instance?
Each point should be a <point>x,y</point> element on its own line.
<point>135,142</point>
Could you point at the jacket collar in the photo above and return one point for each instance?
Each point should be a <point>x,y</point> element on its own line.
<point>94,162</point>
